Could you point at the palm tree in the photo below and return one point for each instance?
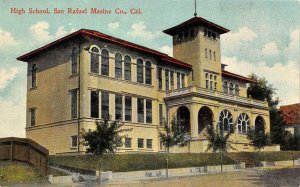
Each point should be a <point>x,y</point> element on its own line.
<point>218,141</point>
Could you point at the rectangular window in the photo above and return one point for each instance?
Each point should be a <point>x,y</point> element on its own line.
<point>148,111</point>
<point>118,107</point>
<point>140,143</point>
<point>128,108</point>
<point>32,112</point>
<point>215,85</point>
<point>94,104</point>
<point>211,85</point>
<point>172,79</point>
<point>128,142</point>
<point>140,107</point>
<point>167,79</point>
<point>205,53</point>
<point>159,77</point>
<point>207,84</point>
<point>178,80</point>
<point>214,55</point>
<point>160,111</point>
<point>73,104</point>
<point>104,105</point>
<point>210,54</point>
<point>74,141</point>
<point>149,143</point>
<point>182,81</point>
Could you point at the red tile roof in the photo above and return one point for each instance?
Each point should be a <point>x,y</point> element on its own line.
<point>101,36</point>
<point>236,76</point>
<point>194,22</point>
<point>291,114</point>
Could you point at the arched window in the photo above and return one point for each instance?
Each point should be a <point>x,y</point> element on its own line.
<point>33,76</point>
<point>140,71</point>
<point>104,62</point>
<point>127,60</point>
<point>231,90</point>
<point>74,60</point>
<point>243,123</point>
<point>225,87</point>
<point>94,60</point>
<point>205,118</point>
<point>118,66</point>
<point>183,117</point>
<point>259,124</point>
<point>236,89</point>
<point>225,121</point>
<point>148,73</point>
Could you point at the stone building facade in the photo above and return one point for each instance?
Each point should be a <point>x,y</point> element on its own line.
<point>87,75</point>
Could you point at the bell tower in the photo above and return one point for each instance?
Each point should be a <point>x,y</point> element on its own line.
<point>197,42</point>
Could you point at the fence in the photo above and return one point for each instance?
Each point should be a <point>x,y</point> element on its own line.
<point>25,150</point>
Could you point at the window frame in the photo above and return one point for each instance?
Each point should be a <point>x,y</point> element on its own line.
<point>148,73</point>
<point>118,107</point>
<point>149,143</point>
<point>104,105</point>
<point>140,71</point>
<point>127,68</point>
<point>94,61</point>
<point>74,137</point>
<point>128,141</point>
<point>140,142</point>
<point>105,62</point>
<point>118,66</point>
<point>74,106</point>
<point>140,110</point>
<point>74,60</point>
<point>128,108</point>
<point>149,111</point>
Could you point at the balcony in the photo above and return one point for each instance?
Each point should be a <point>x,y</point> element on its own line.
<point>215,95</point>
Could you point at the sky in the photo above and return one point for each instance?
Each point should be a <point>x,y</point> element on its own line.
<point>263,39</point>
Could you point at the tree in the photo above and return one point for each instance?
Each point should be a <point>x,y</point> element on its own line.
<point>173,135</point>
<point>262,90</point>
<point>258,139</point>
<point>219,141</point>
<point>104,140</point>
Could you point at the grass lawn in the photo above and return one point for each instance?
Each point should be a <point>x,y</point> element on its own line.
<point>19,173</point>
<point>273,156</point>
<point>56,172</point>
<point>135,162</point>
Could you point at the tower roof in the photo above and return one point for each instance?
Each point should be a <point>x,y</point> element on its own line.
<point>195,21</point>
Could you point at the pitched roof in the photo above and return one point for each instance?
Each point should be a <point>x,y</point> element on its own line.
<point>195,21</point>
<point>236,76</point>
<point>291,114</point>
<point>101,36</point>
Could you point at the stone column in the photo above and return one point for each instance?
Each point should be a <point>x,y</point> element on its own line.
<point>194,120</point>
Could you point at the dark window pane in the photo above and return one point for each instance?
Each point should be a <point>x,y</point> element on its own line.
<point>118,66</point>
<point>104,62</point>
<point>140,106</point>
<point>172,79</point>
<point>178,80</point>
<point>94,60</point>
<point>33,76</point>
<point>148,73</point>
<point>149,143</point>
<point>32,116</point>
<point>74,60</point>
<point>128,108</point>
<point>140,143</point>
<point>104,105</point>
<point>94,104</point>
<point>127,68</point>
<point>74,141</point>
<point>118,107</point>
<point>140,71</point>
<point>167,79</point>
<point>159,77</point>
<point>128,142</point>
<point>160,114</point>
<point>148,111</point>
<point>74,104</point>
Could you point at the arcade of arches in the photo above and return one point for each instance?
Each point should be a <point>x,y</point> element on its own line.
<point>224,120</point>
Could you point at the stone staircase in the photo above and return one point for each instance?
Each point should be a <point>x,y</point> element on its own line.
<point>243,157</point>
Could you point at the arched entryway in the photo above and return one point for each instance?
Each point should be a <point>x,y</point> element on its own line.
<point>259,124</point>
<point>205,118</point>
<point>183,115</point>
